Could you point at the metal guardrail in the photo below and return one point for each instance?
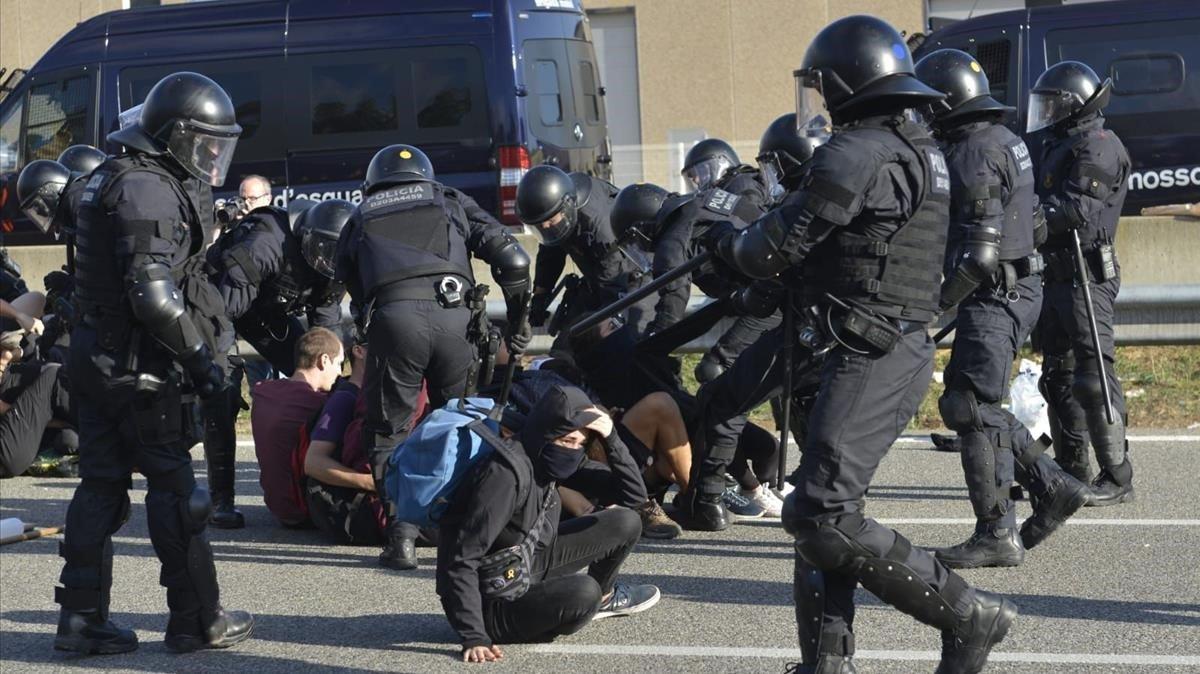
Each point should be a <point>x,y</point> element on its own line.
<point>1147,315</point>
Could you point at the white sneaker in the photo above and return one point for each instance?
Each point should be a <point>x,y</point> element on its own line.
<point>766,499</point>
<point>782,493</point>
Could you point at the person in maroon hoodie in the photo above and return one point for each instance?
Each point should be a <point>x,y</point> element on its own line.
<point>280,408</point>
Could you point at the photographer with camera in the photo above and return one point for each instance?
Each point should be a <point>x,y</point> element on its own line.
<point>269,273</point>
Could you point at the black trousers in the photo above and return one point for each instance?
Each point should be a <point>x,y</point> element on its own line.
<point>863,406</point>
<point>411,341</point>
<point>42,397</point>
<point>725,402</point>
<point>564,601</point>
<point>119,430</point>
<point>990,331</point>
<point>277,345</point>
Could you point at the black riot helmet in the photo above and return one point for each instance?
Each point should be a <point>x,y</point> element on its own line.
<point>39,188</point>
<point>959,76</point>
<point>81,159</point>
<point>1066,91</point>
<point>855,67</point>
<point>707,162</point>
<point>296,208</point>
<point>190,118</point>
<point>395,165</point>
<point>634,213</point>
<point>544,193</point>
<point>783,152</point>
<point>318,229</point>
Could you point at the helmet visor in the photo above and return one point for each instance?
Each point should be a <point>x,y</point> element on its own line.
<point>811,110</point>
<point>41,206</point>
<point>558,228</point>
<point>772,175</point>
<point>203,153</point>
<point>706,173</point>
<point>1048,108</point>
<point>320,252</point>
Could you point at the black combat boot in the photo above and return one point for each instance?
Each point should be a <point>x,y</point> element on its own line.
<point>701,512</point>
<point>827,664</point>
<point>400,551</point>
<point>222,630</point>
<point>988,546</point>
<point>91,632</point>
<point>1063,497</point>
<point>965,649</point>
<point>220,453</point>
<point>1114,484</point>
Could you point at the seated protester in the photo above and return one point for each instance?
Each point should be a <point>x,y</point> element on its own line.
<point>756,459</point>
<point>490,512</point>
<point>653,443</point>
<point>340,491</point>
<point>34,397</point>
<point>280,408</point>
<point>22,315</point>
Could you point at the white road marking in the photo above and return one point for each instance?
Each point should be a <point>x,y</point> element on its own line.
<point>794,654</point>
<point>1081,521</point>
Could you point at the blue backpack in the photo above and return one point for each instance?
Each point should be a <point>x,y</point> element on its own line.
<point>427,468</point>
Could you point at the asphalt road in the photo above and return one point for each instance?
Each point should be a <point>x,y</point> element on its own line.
<point>1118,590</point>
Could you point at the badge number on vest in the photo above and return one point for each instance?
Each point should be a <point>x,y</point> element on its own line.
<point>941,175</point>
<point>721,202</point>
<point>1021,155</point>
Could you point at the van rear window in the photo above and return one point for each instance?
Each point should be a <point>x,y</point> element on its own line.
<point>57,117</point>
<point>549,95</point>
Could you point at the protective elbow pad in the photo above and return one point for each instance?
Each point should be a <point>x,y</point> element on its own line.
<point>510,262</point>
<point>978,263</point>
<point>158,305</point>
<point>756,252</point>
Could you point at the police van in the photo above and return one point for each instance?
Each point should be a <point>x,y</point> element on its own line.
<point>1150,49</point>
<point>486,88</point>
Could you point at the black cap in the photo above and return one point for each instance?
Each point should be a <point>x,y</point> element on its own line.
<point>397,164</point>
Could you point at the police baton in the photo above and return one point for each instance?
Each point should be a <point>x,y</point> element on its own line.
<point>941,334</point>
<point>511,369</point>
<point>638,295</point>
<point>789,340</point>
<point>1084,283</point>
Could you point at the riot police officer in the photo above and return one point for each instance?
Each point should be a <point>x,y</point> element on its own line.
<point>1082,174</point>
<point>405,258</point>
<point>40,189</point>
<point>571,214</point>
<point>993,275</point>
<point>866,236</point>
<point>713,163</point>
<point>269,273</point>
<point>144,347</point>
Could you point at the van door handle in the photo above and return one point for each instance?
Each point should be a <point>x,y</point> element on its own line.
<point>604,159</point>
<point>552,160</point>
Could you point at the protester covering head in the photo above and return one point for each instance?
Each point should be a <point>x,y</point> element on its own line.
<point>555,432</point>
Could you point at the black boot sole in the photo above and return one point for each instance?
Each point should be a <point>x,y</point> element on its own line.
<point>190,644</point>
<point>80,644</point>
<point>238,522</point>
<point>995,562</point>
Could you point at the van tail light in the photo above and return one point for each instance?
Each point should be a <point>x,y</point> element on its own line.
<point>514,162</point>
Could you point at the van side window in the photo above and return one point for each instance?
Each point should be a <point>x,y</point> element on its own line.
<point>548,94</point>
<point>993,56</point>
<point>353,98</point>
<point>591,93</point>
<point>441,91</point>
<point>57,117</point>
<point>1147,61</point>
<point>10,138</point>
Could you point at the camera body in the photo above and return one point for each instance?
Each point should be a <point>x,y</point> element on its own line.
<point>231,211</point>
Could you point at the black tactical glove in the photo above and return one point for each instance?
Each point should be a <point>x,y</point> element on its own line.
<point>539,309</point>
<point>758,299</point>
<point>207,378</point>
<point>518,340</point>
<point>708,369</point>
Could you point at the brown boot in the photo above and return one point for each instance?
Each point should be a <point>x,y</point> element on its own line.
<point>655,523</point>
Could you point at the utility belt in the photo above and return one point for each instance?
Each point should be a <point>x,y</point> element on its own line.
<point>864,331</point>
<point>1011,272</point>
<point>449,291</point>
<point>1101,259</point>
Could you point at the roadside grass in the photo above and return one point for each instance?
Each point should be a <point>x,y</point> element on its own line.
<point>1161,383</point>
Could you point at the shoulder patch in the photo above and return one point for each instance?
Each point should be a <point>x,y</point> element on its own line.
<point>939,171</point>
<point>95,184</point>
<point>1020,154</point>
<point>721,202</point>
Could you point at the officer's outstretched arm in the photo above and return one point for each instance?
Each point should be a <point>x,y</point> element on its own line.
<point>780,239</point>
<point>159,306</point>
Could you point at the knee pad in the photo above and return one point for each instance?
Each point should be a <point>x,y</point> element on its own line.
<point>960,411</point>
<point>1087,388</point>
<point>196,509</point>
<point>825,547</point>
